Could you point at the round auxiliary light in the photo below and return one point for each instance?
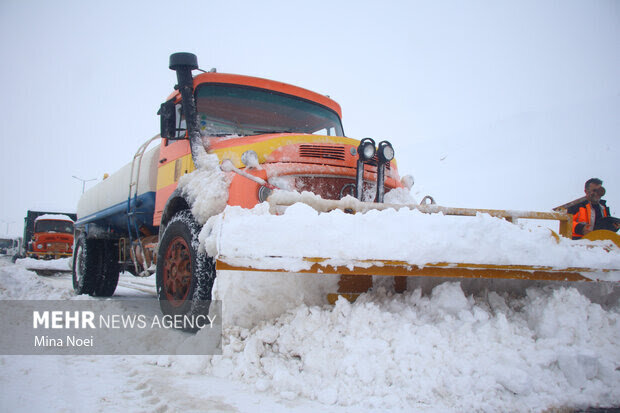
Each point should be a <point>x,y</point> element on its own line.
<point>366,149</point>
<point>40,246</point>
<point>263,193</point>
<point>385,152</point>
<point>250,159</point>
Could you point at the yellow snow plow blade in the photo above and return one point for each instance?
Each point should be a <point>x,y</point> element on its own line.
<point>603,234</point>
<point>461,270</point>
<point>356,273</point>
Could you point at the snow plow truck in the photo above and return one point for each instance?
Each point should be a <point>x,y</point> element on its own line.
<point>267,136</point>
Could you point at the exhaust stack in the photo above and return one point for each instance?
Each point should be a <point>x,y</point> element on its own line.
<point>183,64</point>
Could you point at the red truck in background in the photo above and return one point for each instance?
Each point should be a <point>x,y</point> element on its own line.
<point>49,235</point>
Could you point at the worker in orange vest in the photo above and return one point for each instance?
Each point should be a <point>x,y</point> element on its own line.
<point>592,213</point>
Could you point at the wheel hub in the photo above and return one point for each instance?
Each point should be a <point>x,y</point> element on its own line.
<point>177,274</point>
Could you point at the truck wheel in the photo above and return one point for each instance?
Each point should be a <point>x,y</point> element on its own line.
<point>184,275</point>
<point>86,264</point>
<point>110,269</point>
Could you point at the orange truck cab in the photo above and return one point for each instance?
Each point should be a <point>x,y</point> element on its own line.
<point>295,135</point>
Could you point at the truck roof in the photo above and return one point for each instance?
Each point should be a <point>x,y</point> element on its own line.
<point>263,84</point>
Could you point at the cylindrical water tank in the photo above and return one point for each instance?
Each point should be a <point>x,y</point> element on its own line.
<point>105,204</point>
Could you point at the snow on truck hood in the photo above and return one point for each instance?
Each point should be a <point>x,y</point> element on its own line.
<point>241,236</point>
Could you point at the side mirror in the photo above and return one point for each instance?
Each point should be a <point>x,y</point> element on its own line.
<point>167,120</point>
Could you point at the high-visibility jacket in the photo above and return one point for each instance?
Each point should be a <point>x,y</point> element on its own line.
<point>584,213</point>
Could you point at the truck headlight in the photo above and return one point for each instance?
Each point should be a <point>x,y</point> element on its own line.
<point>40,246</point>
<point>366,149</point>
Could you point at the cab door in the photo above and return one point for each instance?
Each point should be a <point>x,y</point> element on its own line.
<point>175,160</point>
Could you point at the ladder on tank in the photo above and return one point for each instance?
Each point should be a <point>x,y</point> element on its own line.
<point>132,208</point>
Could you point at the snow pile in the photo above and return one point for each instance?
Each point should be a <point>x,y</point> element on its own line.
<point>206,188</point>
<point>441,352</point>
<point>257,238</point>
<point>399,196</point>
<point>446,352</point>
<point>251,297</point>
<point>17,283</point>
<point>61,264</point>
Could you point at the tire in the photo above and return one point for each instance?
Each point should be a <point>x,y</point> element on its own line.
<point>110,269</point>
<point>86,265</point>
<point>184,276</point>
<point>95,267</point>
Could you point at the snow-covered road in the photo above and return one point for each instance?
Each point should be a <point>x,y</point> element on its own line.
<point>128,286</point>
<point>445,351</point>
<point>114,383</point>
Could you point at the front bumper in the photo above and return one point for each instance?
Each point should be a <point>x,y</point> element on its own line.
<point>48,255</point>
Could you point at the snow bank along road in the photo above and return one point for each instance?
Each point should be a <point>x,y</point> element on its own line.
<point>442,351</point>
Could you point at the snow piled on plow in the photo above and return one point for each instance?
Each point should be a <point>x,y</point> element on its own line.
<point>259,239</point>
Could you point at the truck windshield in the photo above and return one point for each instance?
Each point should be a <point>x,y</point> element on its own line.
<point>53,226</point>
<point>225,109</point>
<point>6,243</point>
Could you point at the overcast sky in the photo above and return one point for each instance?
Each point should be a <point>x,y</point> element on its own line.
<point>490,104</point>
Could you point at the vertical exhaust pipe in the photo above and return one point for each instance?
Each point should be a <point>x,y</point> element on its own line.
<point>183,64</point>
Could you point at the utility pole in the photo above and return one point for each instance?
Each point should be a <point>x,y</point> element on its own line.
<point>7,225</point>
<point>84,181</point>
